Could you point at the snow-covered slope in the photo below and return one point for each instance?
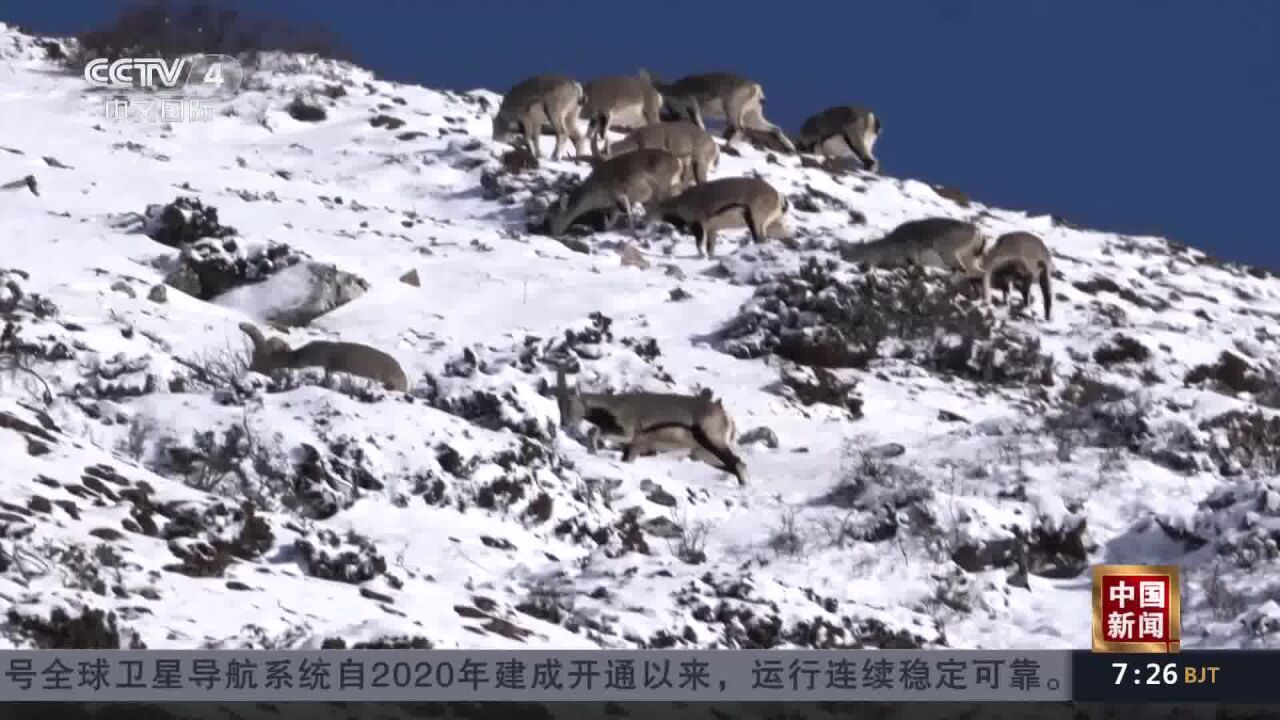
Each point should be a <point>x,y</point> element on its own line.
<point>947,483</point>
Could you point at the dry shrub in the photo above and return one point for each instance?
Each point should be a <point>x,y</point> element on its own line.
<point>174,28</point>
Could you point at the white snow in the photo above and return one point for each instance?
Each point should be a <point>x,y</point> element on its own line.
<point>471,562</point>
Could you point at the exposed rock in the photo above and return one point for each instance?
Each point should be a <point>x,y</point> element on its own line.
<point>208,268</point>
<point>123,287</point>
<point>1121,349</point>
<point>389,122</point>
<point>519,160</point>
<point>327,556</point>
<point>376,596</point>
<point>27,181</point>
<point>820,385</point>
<point>296,295</point>
<point>304,110</point>
<point>662,527</point>
<point>11,294</point>
<point>198,558</point>
<point>655,494</point>
<point>763,435</point>
<point>979,556</point>
<point>632,257</point>
<point>952,194</point>
<point>182,222</point>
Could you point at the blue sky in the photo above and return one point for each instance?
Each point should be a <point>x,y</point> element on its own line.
<point>1140,116</point>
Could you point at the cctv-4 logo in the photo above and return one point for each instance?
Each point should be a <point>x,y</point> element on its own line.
<point>214,76</point>
<point>203,76</point>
